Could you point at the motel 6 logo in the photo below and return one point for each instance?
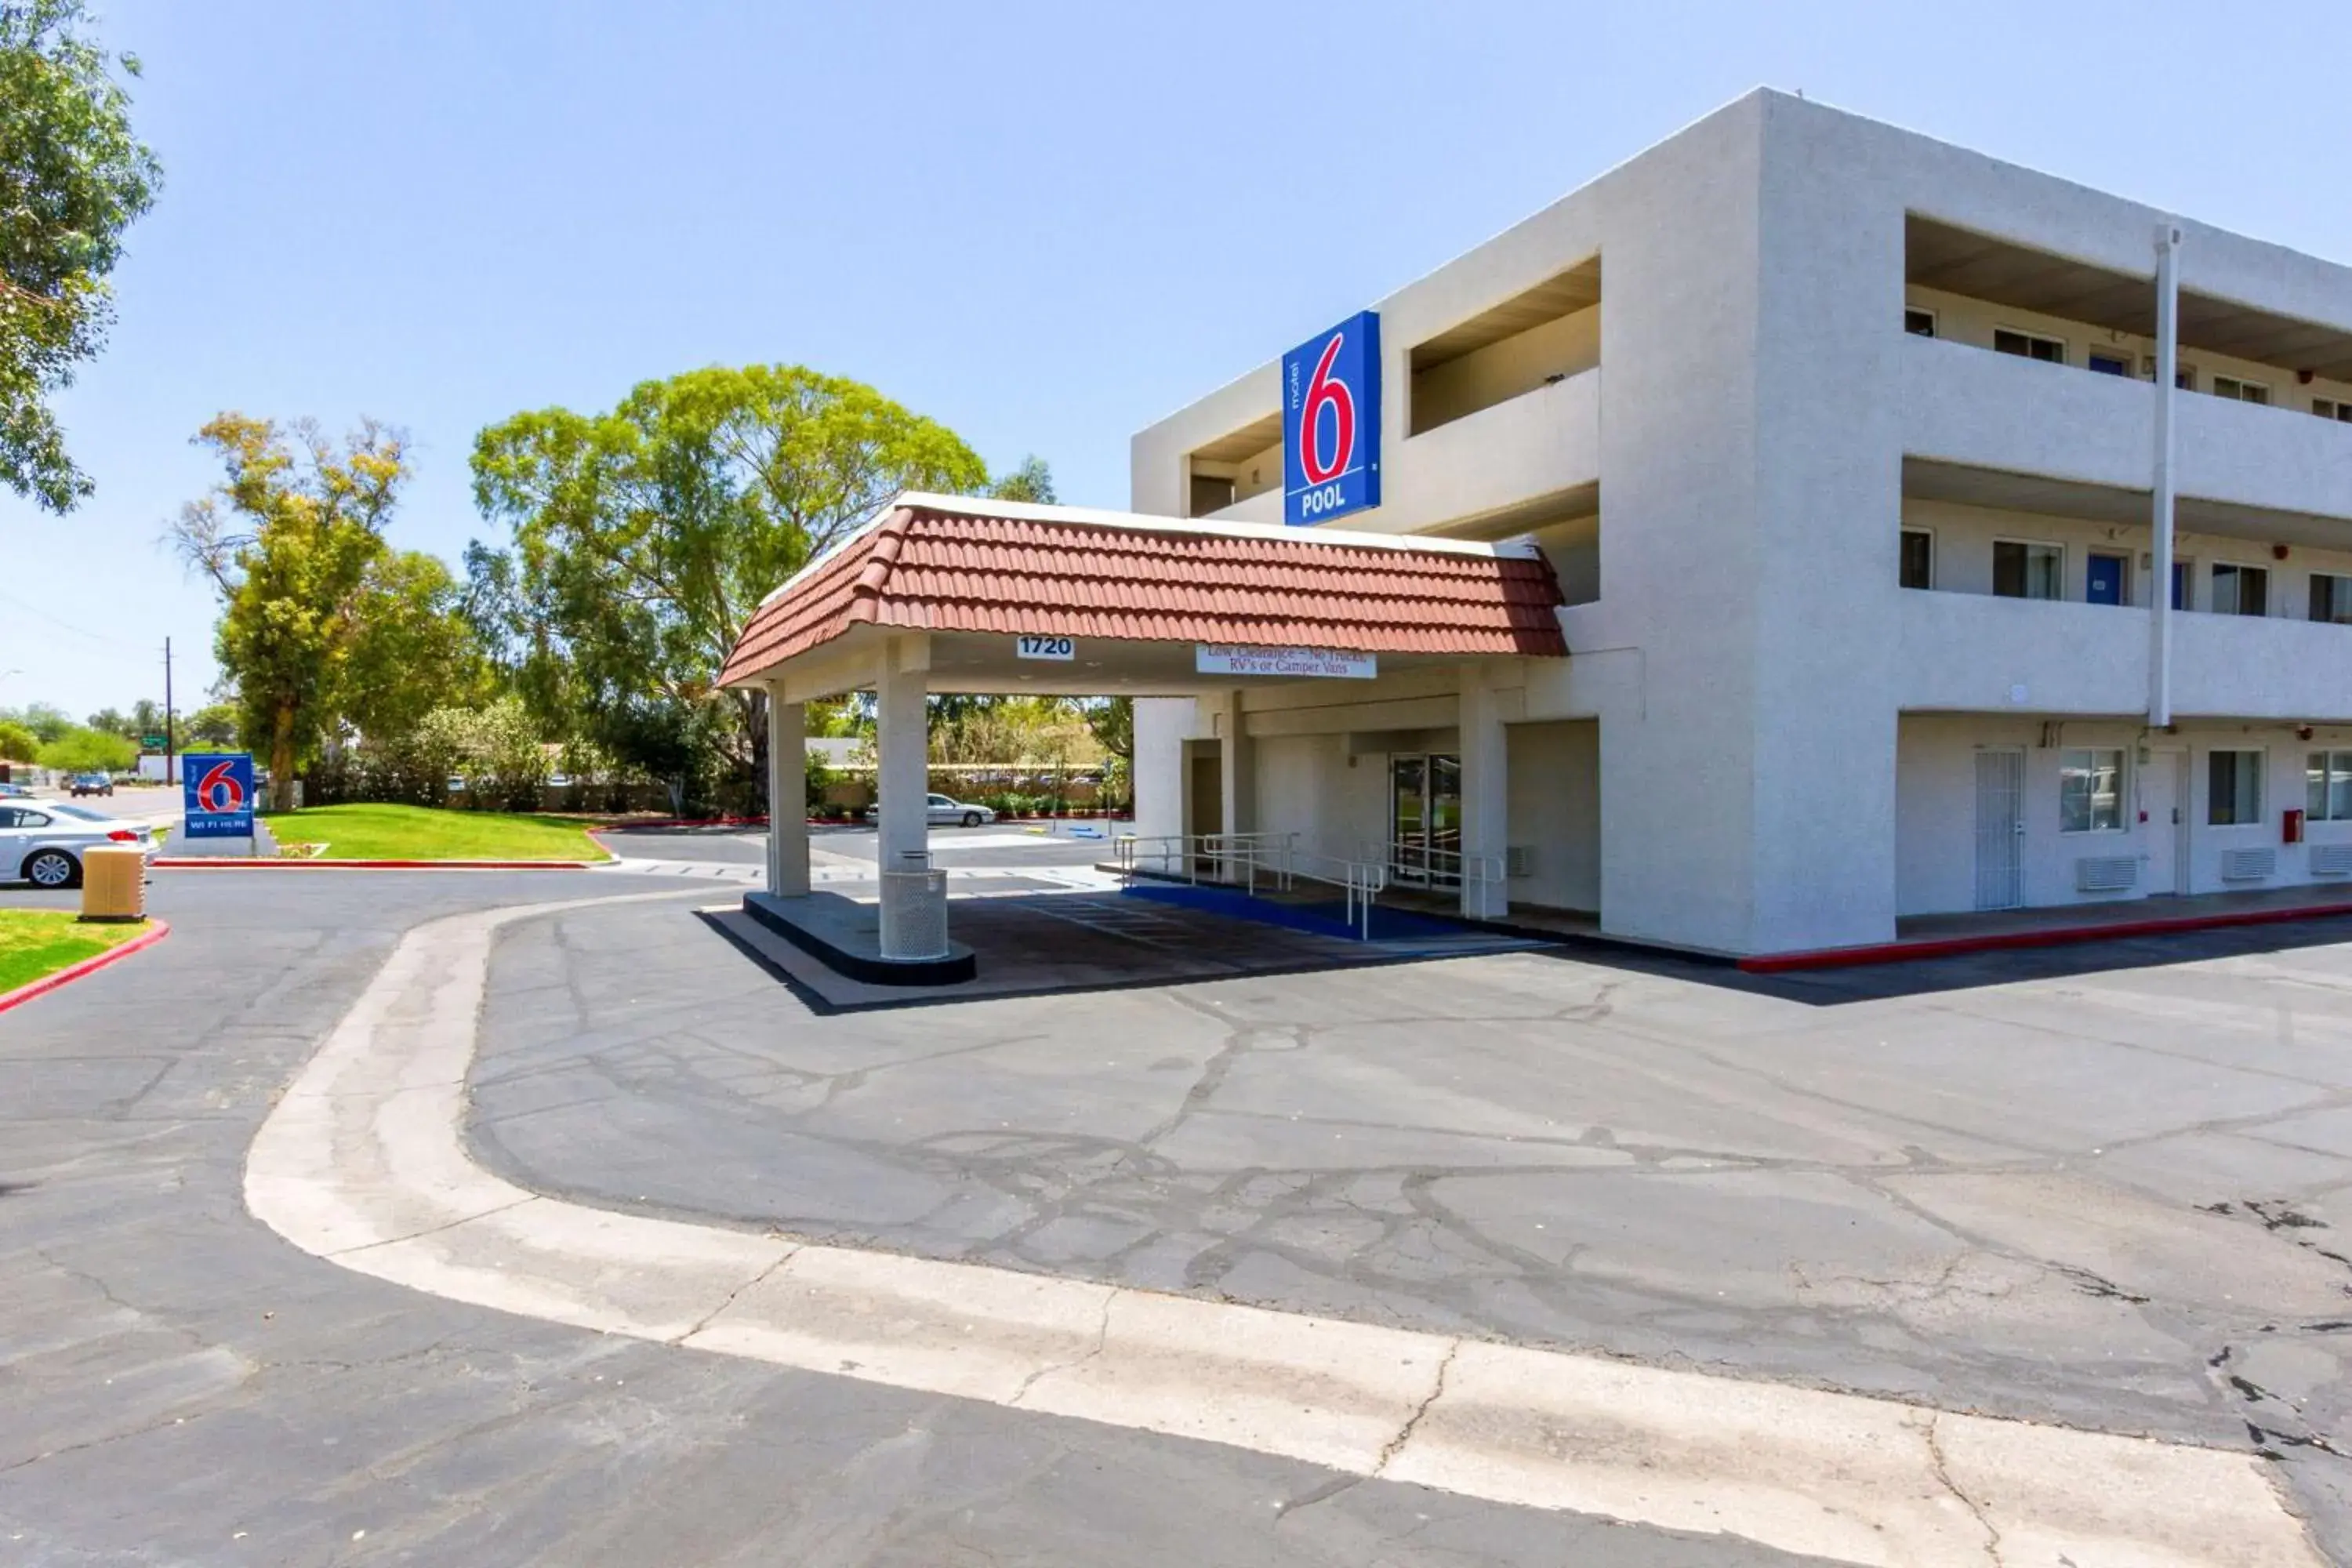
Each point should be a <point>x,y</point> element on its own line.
<point>1331,422</point>
<point>220,789</point>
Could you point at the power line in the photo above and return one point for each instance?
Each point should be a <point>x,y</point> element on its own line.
<point>63,625</point>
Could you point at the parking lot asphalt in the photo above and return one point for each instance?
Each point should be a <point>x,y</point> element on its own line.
<point>2104,1196</point>
<point>179,1385</point>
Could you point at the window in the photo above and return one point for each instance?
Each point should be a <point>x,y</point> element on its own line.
<point>1919,558</point>
<point>2331,598</point>
<point>2091,791</point>
<point>2107,363</point>
<point>2242,591</point>
<point>2184,376</point>
<point>2327,786</point>
<point>2233,789</point>
<point>1919,323</point>
<point>2237,391</point>
<point>2029,345</point>
<point>2027,570</point>
<point>2333,408</point>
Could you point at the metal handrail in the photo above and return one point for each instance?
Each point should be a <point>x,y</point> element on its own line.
<point>1402,856</point>
<point>1361,881</point>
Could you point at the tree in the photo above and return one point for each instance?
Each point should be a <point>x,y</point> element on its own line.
<point>72,178</point>
<point>1031,481</point>
<point>213,725</point>
<point>642,539</point>
<point>321,619</point>
<point>112,721</point>
<point>146,718</point>
<point>17,743</point>
<point>81,751</point>
<point>45,720</point>
<point>412,650</point>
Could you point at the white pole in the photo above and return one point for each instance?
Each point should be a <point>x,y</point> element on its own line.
<point>2168,360</point>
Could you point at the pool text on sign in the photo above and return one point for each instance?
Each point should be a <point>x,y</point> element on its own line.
<point>216,794</point>
<point>1045,647</point>
<point>1290,663</point>
<point>1331,422</point>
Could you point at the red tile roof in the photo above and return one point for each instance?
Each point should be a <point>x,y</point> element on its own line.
<point>933,568</point>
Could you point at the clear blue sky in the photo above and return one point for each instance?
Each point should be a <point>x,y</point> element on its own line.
<point>1044,225</point>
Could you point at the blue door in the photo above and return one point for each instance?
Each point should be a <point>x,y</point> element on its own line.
<point>2180,584</point>
<point>2103,578</point>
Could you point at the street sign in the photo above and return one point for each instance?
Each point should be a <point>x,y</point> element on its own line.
<point>152,742</point>
<point>1331,422</point>
<point>1290,663</point>
<point>1045,647</point>
<point>217,788</point>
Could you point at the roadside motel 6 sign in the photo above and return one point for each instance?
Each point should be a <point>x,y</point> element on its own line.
<point>1331,422</point>
<point>218,791</point>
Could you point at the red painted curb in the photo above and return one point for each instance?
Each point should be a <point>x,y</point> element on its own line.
<point>2063,936</point>
<point>226,863</point>
<point>680,821</point>
<point>72,972</point>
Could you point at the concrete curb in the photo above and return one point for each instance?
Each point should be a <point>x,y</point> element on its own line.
<point>2061,936</point>
<point>272,863</point>
<point>155,933</point>
<point>364,1161</point>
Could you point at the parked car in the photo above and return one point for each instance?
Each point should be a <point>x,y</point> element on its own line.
<point>44,843</point>
<point>14,791</point>
<point>948,813</point>
<point>91,784</point>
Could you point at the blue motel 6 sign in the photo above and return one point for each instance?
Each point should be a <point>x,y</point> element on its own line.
<point>1331,422</point>
<point>218,787</point>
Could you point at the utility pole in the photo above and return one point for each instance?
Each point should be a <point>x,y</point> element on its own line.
<point>170,748</point>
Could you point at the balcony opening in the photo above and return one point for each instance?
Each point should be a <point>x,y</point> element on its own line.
<point>1530,340</point>
<point>1234,466</point>
<point>1993,293</point>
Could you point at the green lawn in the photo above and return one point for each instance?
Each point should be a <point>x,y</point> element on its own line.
<point>34,942</point>
<point>422,833</point>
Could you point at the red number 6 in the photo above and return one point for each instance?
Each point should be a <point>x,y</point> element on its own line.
<point>1322,389</point>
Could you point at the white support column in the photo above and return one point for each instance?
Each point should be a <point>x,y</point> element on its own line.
<point>902,744</point>
<point>1485,798</point>
<point>1238,785</point>
<point>787,839</point>
<point>2168,360</point>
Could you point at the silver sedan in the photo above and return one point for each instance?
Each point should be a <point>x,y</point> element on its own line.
<point>43,843</point>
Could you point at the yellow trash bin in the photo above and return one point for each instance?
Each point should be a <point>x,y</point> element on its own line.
<point>113,882</point>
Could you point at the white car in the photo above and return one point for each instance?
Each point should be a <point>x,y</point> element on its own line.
<point>947,813</point>
<point>42,844</point>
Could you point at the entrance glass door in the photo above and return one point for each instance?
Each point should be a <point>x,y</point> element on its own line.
<point>1425,820</point>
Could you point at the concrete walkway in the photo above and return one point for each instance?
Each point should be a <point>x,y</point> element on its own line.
<point>364,1162</point>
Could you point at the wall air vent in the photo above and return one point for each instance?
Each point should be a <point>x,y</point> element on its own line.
<point>2106,873</point>
<point>2331,859</point>
<point>2248,864</point>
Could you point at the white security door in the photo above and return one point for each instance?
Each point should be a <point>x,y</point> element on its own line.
<point>2001,829</point>
<point>2161,799</point>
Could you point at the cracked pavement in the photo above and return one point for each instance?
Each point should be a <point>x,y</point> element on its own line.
<point>2106,1195</point>
<point>178,1385</point>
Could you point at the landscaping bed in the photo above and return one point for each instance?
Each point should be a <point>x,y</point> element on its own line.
<point>381,832</point>
<point>37,943</point>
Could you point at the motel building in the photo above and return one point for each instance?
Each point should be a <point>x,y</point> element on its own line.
<point>1805,534</point>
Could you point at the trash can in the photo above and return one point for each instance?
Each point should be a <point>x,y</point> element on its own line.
<point>914,909</point>
<point>113,882</point>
